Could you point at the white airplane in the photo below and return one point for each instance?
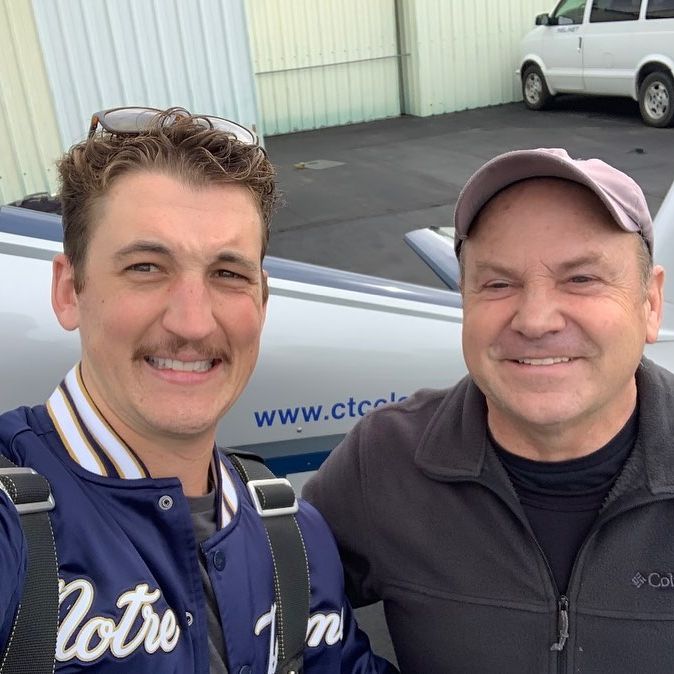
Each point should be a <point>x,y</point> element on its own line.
<point>335,344</point>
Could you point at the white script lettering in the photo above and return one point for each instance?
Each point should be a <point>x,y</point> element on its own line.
<point>328,627</point>
<point>89,641</point>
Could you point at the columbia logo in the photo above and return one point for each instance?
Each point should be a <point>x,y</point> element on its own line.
<point>659,580</point>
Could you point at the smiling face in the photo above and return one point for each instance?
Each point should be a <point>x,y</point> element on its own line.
<point>171,308</point>
<point>555,315</point>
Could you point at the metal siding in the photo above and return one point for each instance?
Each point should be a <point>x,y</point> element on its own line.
<point>463,54</point>
<point>324,63</point>
<point>193,53</point>
<point>28,133</point>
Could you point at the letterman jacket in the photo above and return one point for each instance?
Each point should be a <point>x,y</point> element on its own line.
<point>130,592</point>
<point>427,520</point>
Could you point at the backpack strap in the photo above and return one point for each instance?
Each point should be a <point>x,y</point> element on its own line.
<point>31,646</point>
<point>275,502</point>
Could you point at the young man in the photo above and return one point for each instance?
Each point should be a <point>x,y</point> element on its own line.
<point>164,564</point>
<point>520,521</point>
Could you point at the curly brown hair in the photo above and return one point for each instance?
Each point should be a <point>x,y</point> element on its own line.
<point>186,147</point>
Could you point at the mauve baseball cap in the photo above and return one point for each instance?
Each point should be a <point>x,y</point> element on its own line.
<point>618,192</point>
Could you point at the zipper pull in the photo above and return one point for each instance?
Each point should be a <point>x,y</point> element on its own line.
<point>563,622</point>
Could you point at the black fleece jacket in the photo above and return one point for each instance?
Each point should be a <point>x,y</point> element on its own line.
<point>427,521</point>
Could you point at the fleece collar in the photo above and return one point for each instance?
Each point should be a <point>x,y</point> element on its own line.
<point>455,443</point>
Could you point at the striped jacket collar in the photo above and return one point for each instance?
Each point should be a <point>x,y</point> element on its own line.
<point>94,445</point>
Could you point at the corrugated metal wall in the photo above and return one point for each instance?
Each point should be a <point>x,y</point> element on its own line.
<point>449,54</point>
<point>29,140</point>
<point>102,54</point>
<point>324,63</point>
<point>463,53</point>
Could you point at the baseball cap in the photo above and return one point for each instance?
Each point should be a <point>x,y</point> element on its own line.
<point>618,192</point>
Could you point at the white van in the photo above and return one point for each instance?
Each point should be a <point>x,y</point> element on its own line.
<point>607,47</point>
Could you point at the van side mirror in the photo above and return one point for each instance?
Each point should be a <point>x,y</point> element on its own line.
<point>542,20</point>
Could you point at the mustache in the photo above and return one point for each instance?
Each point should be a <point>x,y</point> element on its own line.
<point>171,347</point>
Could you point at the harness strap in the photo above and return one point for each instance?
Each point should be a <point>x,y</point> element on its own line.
<point>275,501</point>
<point>31,646</point>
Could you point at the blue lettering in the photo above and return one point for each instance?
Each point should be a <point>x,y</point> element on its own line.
<point>264,418</point>
<point>312,413</point>
<point>288,415</point>
<point>352,408</point>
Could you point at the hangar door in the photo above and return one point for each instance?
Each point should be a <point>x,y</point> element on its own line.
<point>323,63</point>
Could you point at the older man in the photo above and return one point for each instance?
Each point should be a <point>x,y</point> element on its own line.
<point>520,521</point>
<point>167,563</point>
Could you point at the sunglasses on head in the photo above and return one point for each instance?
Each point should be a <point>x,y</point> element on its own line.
<point>135,120</point>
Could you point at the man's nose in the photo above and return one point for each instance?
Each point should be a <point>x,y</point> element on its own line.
<point>538,312</point>
<point>189,310</point>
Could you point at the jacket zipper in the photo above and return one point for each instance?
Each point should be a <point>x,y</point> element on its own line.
<point>562,623</point>
<point>562,599</point>
<point>562,609</point>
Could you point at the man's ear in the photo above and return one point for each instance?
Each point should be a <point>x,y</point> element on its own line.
<point>654,304</point>
<point>64,298</point>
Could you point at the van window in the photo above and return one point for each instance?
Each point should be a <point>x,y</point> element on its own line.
<point>569,12</point>
<point>614,10</point>
<point>660,9</point>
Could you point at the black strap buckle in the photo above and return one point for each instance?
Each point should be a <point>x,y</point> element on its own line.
<point>277,494</point>
<point>27,489</point>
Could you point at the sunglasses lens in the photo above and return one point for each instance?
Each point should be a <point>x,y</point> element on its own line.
<point>241,133</point>
<point>128,120</point>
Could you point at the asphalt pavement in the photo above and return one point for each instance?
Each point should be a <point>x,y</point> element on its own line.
<point>352,192</point>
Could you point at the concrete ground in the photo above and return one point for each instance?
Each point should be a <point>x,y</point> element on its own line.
<point>381,179</point>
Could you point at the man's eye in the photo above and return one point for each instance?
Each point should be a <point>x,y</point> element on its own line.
<point>228,274</point>
<point>581,279</point>
<point>144,267</point>
<point>497,285</point>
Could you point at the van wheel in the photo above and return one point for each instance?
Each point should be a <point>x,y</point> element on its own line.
<point>534,89</point>
<point>656,99</point>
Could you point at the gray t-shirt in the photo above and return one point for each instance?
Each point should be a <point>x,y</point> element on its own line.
<point>202,509</point>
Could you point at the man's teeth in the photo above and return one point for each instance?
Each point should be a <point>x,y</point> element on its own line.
<point>180,365</point>
<point>543,361</point>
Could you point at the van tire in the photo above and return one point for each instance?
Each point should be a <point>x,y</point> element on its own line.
<point>535,90</point>
<point>656,99</point>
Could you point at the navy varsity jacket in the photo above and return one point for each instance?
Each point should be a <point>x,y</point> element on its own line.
<point>130,592</point>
